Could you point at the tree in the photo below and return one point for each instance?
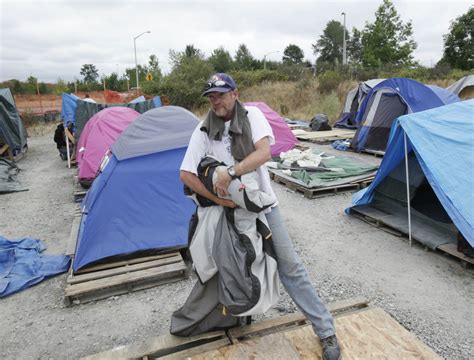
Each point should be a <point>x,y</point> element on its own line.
<point>221,60</point>
<point>293,55</point>
<point>459,43</point>
<point>388,40</point>
<point>154,68</point>
<point>329,45</point>
<point>354,47</point>
<point>89,72</point>
<point>184,85</point>
<point>243,58</point>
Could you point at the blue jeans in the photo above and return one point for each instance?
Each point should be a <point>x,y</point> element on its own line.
<point>295,279</point>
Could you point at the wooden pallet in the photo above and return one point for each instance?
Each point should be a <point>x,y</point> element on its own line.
<point>313,193</point>
<point>324,137</point>
<point>449,248</point>
<point>363,331</point>
<point>119,277</point>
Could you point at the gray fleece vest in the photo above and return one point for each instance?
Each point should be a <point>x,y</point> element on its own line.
<point>241,144</point>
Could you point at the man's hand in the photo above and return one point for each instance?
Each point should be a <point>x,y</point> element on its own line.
<point>222,183</point>
<point>226,203</point>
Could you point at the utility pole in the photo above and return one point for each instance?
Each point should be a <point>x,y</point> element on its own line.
<point>135,48</point>
<point>344,55</point>
<point>265,58</point>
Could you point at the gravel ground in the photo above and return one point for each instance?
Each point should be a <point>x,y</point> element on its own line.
<point>428,293</point>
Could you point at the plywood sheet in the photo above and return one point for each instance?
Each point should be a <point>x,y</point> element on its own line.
<point>336,133</point>
<point>366,334</point>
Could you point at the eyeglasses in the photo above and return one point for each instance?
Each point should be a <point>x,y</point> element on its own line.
<point>217,83</point>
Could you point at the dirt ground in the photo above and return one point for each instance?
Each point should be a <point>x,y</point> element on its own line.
<point>427,292</point>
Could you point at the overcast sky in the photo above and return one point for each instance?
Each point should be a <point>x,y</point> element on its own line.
<point>53,39</point>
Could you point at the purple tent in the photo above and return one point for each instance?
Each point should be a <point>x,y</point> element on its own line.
<point>284,138</point>
<point>100,132</point>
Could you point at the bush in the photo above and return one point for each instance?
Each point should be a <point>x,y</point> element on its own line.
<point>329,81</point>
<point>185,84</point>
<point>246,79</point>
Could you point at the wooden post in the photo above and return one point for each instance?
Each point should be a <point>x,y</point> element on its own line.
<point>75,87</point>
<point>39,95</point>
<point>105,95</point>
<point>67,149</point>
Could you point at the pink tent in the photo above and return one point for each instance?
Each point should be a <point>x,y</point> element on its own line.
<point>284,138</point>
<point>100,132</point>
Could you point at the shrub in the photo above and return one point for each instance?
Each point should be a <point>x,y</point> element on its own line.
<point>329,81</point>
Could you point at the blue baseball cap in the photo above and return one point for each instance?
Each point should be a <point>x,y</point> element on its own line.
<point>219,82</point>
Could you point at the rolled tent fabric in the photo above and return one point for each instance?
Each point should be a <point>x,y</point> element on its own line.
<point>233,258</point>
<point>98,135</point>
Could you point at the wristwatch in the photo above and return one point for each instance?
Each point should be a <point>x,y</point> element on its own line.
<point>231,172</point>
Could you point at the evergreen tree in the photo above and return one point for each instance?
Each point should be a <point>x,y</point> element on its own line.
<point>292,55</point>
<point>388,40</point>
<point>459,43</point>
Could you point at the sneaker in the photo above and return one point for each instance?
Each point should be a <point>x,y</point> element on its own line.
<point>331,350</point>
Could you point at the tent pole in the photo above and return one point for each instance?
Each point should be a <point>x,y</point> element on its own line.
<point>67,151</point>
<point>408,186</point>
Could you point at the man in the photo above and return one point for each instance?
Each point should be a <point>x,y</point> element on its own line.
<point>89,99</point>
<point>241,138</point>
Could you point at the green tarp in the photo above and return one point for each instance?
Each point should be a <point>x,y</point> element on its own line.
<point>12,130</point>
<point>346,168</point>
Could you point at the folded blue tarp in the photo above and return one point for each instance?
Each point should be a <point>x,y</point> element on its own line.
<point>22,264</point>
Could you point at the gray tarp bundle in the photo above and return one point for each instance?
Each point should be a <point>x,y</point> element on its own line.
<point>232,253</point>
<point>85,110</point>
<point>8,173</point>
<point>12,130</point>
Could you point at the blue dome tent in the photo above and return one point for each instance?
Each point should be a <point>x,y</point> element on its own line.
<point>388,100</point>
<point>439,145</point>
<point>137,201</point>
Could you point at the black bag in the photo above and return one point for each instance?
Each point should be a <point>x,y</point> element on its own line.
<point>320,123</point>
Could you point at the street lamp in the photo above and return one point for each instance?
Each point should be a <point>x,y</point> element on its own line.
<point>344,57</point>
<point>135,47</point>
<point>265,58</point>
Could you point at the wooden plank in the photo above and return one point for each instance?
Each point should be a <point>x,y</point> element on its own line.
<point>369,334</point>
<point>157,346</point>
<point>329,135</point>
<point>3,149</point>
<point>292,320</point>
<point>110,265</point>
<point>161,272</point>
<point>75,279</point>
<point>71,243</point>
<point>195,351</point>
<point>451,249</point>
<point>69,135</point>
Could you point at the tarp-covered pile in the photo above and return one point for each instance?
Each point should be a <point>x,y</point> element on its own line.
<point>12,130</point>
<point>314,169</point>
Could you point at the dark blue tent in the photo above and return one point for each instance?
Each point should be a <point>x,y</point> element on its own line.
<point>388,100</point>
<point>440,145</point>
<point>137,201</point>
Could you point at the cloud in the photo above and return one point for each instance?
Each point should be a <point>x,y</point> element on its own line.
<point>52,39</point>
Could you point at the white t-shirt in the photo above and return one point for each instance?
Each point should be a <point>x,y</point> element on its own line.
<point>200,146</point>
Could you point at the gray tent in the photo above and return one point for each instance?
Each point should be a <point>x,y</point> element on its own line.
<point>353,101</point>
<point>464,87</point>
<point>12,130</point>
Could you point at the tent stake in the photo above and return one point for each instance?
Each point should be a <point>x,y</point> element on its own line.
<point>408,186</point>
